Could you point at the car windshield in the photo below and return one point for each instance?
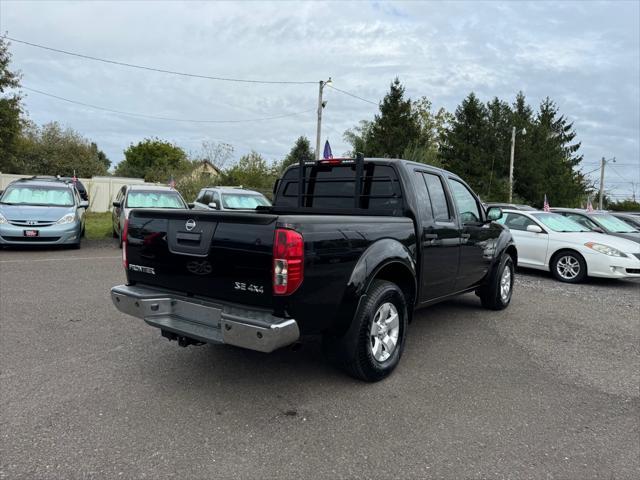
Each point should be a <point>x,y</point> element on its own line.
<point>38,195</point>
<point>243,201</point>
<point>558,223</point>
<point>154,199</point>
<point>613,224</point>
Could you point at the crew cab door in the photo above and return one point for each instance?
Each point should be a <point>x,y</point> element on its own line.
<point>438,237</point>
<point>476,238</point>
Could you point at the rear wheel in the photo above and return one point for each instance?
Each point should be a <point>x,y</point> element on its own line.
<point>568,266</point>
<point>373,345</point>
<point>496,294</point>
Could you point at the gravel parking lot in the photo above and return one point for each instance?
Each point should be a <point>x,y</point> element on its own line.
<point>548,388</point>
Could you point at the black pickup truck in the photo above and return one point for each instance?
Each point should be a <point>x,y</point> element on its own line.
<point>349,249</point>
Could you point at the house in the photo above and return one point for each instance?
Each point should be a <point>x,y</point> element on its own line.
<point>202,168</point>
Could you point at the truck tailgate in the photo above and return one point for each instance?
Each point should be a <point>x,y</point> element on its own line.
<point>221,255</point>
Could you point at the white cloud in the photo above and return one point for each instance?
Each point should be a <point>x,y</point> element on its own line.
<point>583,55</point>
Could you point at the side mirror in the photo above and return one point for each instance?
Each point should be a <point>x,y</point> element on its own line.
<point>117,204</point>
<point>214,205</point>
<point>190,205</point>
<point>494,213</point>
<point>534,229</point>
<point>84,204</point>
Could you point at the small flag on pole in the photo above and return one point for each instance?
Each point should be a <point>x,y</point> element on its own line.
<point>327,150</point>
<point>172,182</point>
<point>546,207</point>
<point>74,179</point>
<point>589,206</point>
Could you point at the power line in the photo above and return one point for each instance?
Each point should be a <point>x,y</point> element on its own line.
<point>154,69</point>
<point>155,117</point>
<point>352,95</point>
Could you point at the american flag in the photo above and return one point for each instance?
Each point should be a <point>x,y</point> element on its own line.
<point>172,182</point>
<point>589,206</point>
<point>327,150</point>
<point>546,207</point>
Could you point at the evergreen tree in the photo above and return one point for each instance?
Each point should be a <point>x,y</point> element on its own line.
<point>498,143</point>
<point>465,147</point>
<point>395,128</point>
<point>300,150</point>
<point>553,157</point>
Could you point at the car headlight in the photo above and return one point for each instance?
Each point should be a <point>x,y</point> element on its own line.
<point>68,218</point>
<point>2,219</point>
<point>607,250</point>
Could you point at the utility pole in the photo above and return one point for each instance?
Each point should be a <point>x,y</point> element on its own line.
<point>603,162</point>
<point>321,106</point>
<point>513,149</point>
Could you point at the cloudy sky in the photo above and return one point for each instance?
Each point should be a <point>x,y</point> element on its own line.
<point>584,55</point>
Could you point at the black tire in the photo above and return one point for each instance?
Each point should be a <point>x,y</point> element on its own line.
<point>354,351</point>
<point>568,266</point>
<point>120,240</point>
<point>492,294</point>
<point>113,232</point>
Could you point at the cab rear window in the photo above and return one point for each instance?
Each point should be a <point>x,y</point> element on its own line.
<point>333,187</point>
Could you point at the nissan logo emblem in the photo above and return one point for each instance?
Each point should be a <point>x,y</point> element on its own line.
<point>190,225</point>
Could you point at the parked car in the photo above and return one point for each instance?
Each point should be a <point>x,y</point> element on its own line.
<point>510,206</point>
<point>601,222</point>
<point>630,218</point>
<point>82,190</point>
<point>41,212</point>
<point>84,194</point>
<point>141,196</point>
<point>569,250</point>
<point>349,253</point>
<point>229,198</point>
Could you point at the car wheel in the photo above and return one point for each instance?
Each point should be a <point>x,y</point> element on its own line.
<point>569,266</point>
<point>373,345</point>
<point>497,293</point>
<point>113,232</point>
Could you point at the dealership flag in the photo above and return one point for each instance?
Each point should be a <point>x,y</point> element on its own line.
<point>327,150</point>
<point>172,182</point>
<point>546,204</point>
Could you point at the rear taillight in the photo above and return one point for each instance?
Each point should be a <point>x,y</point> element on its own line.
<point>288,261</point>
<point>125,230</point>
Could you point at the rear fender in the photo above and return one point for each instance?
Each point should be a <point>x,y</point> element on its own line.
<point>388,259</point>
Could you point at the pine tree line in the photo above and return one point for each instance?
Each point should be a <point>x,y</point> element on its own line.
<point>475,141</point>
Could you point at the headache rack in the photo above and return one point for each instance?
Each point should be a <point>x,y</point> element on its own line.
<point>359,163</point>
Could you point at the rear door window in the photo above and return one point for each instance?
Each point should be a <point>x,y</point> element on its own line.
<point>438,197</point>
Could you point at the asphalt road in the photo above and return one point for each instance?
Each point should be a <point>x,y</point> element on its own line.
<point>548,388</point>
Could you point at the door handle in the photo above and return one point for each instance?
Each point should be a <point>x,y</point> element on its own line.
<point>430,236</point>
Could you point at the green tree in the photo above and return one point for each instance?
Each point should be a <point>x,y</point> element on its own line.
<point>52,150</point>
<point>11,122</point>
<point>356,137</point>
<point>395,128</point>
<point>251,171</point>
<point>301,149</point>
<point>464,149</point>
<point>433,126</point>
<point>498,145</point>
<point>154,160</point>
<point>549,160</point>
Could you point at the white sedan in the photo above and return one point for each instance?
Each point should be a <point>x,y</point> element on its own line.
<point>548,241</point>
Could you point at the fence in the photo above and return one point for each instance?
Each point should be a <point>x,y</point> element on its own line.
<point>101,190</point>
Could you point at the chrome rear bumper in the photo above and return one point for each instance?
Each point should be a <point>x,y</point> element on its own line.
<point>204,320</point>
